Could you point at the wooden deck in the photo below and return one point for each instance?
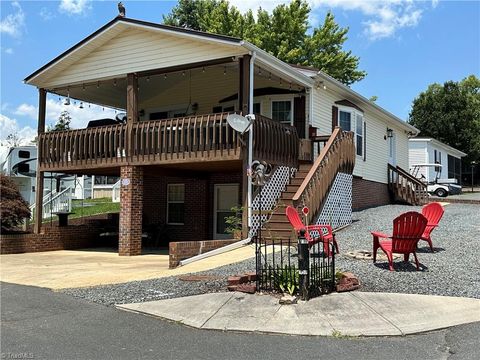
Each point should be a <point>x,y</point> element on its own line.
<point>202,138</point>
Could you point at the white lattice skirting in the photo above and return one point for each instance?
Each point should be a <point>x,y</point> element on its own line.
<point>271,191</point>
<point>337,210</point>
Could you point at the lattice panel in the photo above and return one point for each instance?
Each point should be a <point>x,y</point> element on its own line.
<point>337,210</point>
<point>270,193</point>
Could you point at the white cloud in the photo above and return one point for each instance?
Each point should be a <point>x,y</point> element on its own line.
<point>46,14</point>
<point>9,51</point>
<point>74,7</point>
<point>13,24</point>
<point>384,18</point>
<point>26,110</point>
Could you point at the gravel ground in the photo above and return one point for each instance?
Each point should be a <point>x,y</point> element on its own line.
<point>453,270</point>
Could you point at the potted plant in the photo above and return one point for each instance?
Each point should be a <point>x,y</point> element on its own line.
<point>234,222</point>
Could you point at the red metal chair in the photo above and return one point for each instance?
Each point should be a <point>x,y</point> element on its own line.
<point>407,230</point>
<point>310,230</point>
<point>433,212</point>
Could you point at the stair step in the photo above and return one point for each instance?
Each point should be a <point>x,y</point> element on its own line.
<point>279,217</point>
<point>287,195</point>
<point>292,188</point>
<point>296,181</point>
<point>301,174</point>
<point>279,225</point>
<point>305,167</point>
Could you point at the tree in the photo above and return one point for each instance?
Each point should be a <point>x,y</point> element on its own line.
<point>13,140</point>
<point>13,208</point>
<point>451,113</point>
<point>283,33</point>
<point>63,122</point>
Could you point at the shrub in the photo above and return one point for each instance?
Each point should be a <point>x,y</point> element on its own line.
<point>13,208</point>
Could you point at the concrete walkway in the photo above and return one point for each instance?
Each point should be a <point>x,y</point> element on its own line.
<point>337,314</point>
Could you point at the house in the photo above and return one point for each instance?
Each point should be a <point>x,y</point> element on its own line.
<point>181,165</point>
<point>427,150</point>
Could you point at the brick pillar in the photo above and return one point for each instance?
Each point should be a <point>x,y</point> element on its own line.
<point>131,209</point>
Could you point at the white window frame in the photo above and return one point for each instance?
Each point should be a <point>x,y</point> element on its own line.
<point>174,202</point>
<point>353,125</point>
<point>282,99</point>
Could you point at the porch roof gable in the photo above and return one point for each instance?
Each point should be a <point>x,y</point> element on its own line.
<point>52,74</point>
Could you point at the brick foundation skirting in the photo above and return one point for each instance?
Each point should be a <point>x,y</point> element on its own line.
<point>366,194</point>
<point>182,250</point>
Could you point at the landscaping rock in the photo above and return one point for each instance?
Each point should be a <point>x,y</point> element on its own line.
<point>247,288</point>
<point>234,280</point>
<point>348,282</point>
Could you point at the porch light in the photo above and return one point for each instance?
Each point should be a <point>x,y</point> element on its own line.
<point>98,84</point>
<point>389,132</point>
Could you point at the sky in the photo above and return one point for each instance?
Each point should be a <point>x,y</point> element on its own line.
<point>403,45</point>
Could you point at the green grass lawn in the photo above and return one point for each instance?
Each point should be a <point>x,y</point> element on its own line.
<point>89,207</point>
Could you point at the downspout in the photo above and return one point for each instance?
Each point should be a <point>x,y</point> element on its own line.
<point>250,139</point>
<point>246,241</point>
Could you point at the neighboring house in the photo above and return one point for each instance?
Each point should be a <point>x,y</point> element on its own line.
<point>181,165</point>
<point>102,186</point>
<point>427,150</point>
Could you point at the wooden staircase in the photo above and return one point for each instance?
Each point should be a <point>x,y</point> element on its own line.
<point>405,188</point>
<point>311,184</point>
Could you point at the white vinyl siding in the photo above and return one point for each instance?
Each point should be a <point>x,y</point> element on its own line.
<point>135,50</point>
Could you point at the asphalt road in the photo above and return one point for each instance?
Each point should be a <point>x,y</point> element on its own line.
<point>37,323</point>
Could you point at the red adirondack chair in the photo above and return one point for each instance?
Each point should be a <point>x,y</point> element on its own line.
<point>310,230</point>
<point>433,212</point>
<point>407,230</point>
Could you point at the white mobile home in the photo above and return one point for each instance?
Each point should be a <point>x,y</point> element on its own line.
<point>423,150</point>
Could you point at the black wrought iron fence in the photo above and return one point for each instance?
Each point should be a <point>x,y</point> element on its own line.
<point>291,266</point>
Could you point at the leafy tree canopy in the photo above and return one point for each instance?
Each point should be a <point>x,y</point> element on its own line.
<point>283,33</point>
<point>63,122</point>
<point>450,113</point>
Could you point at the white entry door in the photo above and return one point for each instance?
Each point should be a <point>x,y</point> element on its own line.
<point>225,197</point>
<point>392,156</point>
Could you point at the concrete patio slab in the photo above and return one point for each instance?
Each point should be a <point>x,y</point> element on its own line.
<point>91,267</point>
<point>344,314</point>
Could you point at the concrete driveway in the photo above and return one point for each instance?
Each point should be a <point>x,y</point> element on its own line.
<point>91,267</point>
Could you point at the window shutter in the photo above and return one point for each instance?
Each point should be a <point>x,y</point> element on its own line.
<point>334,117</point>
<point>364,140</point>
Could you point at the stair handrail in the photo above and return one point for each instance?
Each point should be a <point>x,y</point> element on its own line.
<point>116,191</point>
<point>45,198</point>
<point>409,176</point>
<point>64,194</point>
<point>338,155</point>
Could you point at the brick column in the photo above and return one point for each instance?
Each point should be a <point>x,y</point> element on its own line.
<point>131,209</point>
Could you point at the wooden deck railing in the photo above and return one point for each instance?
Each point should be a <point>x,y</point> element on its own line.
<point>188,139</point>
<point>338,155</point>
<point>405,187</point>
<point>274,142</point>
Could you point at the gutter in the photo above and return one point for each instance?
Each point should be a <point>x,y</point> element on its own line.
<point>223,249</point>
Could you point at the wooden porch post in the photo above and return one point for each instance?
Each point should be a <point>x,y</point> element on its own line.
<point>132,108</point>
<point>42,102</point>
<point>244,98</point>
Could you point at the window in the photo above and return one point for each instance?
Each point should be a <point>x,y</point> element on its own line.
<point>345,120</point>
<point>256,108</point>
<point>351,119</point>
<point>22,154</point>
<point>359,133</point>
<point>282,111</point>
<point>106,180</point>
<point>176,204</point>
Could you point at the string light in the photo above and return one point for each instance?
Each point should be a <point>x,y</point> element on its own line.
<point>225,70</point>
<point>67,102</point>
<point>259,71</point>
<point>148,78</point>
<point>183,73</point>
<point>203,69</point>
<point>83,87</point>
<point>165,76</point>
<point>114,82</point>
<point>270,76</point>
<point>98,84</point>
<point>290,86</point>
